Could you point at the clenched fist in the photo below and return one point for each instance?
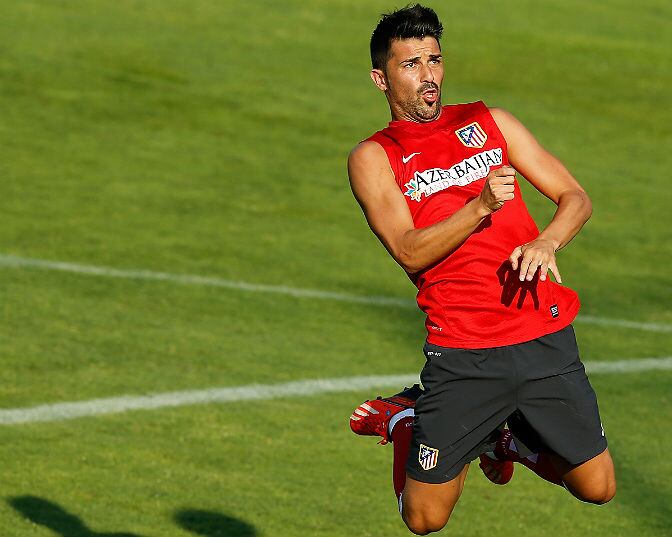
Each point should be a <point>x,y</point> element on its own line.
<point>498,188</point>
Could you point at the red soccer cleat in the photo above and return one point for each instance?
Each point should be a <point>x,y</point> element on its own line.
<point>495,465</point>
<point>378,416</point>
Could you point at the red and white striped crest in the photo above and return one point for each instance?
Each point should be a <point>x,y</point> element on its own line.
<point>428,457</point>
<point>472,135</point>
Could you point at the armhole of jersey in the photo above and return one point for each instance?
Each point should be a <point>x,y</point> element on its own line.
<point>392,151</point>
<point>485,111</point>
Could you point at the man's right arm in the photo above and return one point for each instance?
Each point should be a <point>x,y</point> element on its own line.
<point>374,186</point>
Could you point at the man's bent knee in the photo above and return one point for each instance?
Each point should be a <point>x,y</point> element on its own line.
<point>426,507</point>
<point>425,521</point>
<point>597,494</point>
<point>593,481</point>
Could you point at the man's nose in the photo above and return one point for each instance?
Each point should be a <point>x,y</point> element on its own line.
<point>427,74</point>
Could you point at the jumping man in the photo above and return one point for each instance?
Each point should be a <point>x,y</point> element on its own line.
<point>438,188</point>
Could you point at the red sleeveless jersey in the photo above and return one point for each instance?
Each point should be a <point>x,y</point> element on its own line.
<point>472,298</point>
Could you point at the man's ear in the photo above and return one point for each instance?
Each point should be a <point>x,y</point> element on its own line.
<point>379,79</point>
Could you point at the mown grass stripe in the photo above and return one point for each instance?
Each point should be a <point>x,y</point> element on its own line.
<point>252,392</point>
<point>190,279</point>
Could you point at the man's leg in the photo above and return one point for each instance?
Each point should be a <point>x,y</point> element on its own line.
<point>558,418</point>
<point>467,396</point>
<point>541,463</point>
<point>593,481</point>
<point>401,434</point>
<point>426,507</point>
<point>391,418</point>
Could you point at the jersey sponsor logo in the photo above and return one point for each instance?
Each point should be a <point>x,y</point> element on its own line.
<point>409,157</point>
<point>555,311</point>
<point>428,457</point>
<point>472,135</point>
<point>471,169</point>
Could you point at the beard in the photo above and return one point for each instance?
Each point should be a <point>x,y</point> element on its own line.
<point>426,111</point>
<point>419,107</point>
<point>427,108</point>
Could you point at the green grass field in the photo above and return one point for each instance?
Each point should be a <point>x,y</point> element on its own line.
<point>210,138</point>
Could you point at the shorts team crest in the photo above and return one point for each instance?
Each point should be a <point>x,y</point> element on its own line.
<point>428,457</point>
<point>472,135</point>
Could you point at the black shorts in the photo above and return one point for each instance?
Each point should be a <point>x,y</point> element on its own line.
<point>539,387</point>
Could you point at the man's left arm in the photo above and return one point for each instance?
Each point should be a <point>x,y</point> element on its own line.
<point>550,177</point>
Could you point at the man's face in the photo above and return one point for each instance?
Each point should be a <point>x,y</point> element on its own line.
<point>412,79</point>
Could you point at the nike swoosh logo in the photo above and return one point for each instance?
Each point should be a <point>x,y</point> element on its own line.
<point>409,157</point>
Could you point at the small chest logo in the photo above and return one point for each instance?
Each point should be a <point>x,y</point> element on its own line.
<point>428,457</point>
<point>472,135</point>
<point>409,157</point>
<point>555,312</point>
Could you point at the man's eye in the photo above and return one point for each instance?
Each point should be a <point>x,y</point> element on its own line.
<point>409,65</point>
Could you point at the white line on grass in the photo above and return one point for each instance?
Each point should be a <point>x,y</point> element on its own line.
<point>189,279</point>
<point>209,281</point>
<point>256,392</point>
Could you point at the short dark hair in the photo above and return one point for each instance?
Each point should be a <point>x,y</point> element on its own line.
<point>407,23</point>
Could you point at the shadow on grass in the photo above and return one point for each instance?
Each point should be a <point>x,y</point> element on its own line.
<point>53,516</point>
<point>212,524</point>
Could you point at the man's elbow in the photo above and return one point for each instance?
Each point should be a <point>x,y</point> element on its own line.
<point>409,262</point>
<point>589,207</point>
<point>410,253</point>
<point>580,200</point>
<point>586,205</point>
<point>411,270</point>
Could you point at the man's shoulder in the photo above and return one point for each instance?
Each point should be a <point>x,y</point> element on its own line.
<point>366,151</point>
<point>503,118</point>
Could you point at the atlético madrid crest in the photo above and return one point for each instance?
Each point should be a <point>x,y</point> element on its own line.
<point>428,457</point>
<point>472,135</point>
